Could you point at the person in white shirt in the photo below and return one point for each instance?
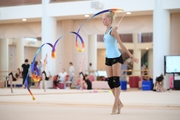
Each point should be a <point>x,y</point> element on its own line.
<point>62,75</point>
<point>90,69</point>
<point>91,72</point>
<point>61,78</point>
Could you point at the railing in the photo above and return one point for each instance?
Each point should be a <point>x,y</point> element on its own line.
<point>4,74</point>
<point>6,3</point>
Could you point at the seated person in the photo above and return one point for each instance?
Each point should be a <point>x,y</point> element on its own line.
<point>86,83</point>
<point>56,81</point>
<point>61,78</point>
<point>159,84</point>
<point>17,75</point>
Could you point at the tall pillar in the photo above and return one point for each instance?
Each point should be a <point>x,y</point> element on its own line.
<point>4,44</point>
<point>136,54</point>
<point>92,50</point>
<point>48,36</point>
<point>150,61</point>
<point>161,39</point>
<point>19,53</point>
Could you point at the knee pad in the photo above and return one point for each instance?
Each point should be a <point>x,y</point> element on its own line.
<point>110,82</point>
<point>116,81</point>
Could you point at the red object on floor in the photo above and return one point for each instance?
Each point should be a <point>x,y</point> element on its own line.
<point>133,81</point>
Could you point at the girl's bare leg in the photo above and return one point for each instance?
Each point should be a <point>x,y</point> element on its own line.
<point>10,78</point>
<point>117,102</point>
<point>109,75</point>
<point>43,74</point>
<point>120,105</point>
<point>43,82</point>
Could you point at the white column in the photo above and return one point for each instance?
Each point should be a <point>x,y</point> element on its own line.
<point>161,39</point>
<point>19,53</point>
<point>136,54</point>
<point>92,50</point>
<point>48,36</point>
<point>3,58</point>
<point>150,61</point>
<point>137,67</point>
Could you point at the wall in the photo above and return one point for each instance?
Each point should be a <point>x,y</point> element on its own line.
<point>175,36</point>
<point>101,59</point>
<point>29,53</point>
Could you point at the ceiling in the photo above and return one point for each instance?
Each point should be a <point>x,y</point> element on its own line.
<point>4,3</point>
<point>73,17</point>
<point>28,2</point>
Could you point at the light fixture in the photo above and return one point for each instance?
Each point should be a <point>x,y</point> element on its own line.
<point>128,13</point>
<point>147,48</point>
<point>24,19</point>
<point>86,15</point>
<point>31,39</point>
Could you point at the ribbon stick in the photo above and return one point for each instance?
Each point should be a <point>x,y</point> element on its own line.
<point>121,19</point>
<point>101,12</point>
<point>36,77</point>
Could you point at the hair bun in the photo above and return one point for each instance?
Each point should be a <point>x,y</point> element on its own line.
<point>111,12</point>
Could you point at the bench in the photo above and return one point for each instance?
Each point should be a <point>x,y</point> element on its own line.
<point>100,85</point>
<point>17,83</point>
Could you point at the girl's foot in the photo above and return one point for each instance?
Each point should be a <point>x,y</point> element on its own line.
<point>119,108</point>
<point>114,110</point>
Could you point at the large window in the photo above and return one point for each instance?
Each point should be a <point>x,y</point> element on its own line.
<point>145,37</point>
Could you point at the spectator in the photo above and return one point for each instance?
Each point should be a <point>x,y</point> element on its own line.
<point>25,68</point>
<point>159,84</point>
<point>61,78</point>
<point>71,74</point>
<point>91,72</point>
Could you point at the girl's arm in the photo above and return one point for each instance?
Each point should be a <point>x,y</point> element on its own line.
<point>116,35</point>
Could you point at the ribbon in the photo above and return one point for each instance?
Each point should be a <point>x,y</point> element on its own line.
<point>36,77</point>
<point>101,12</point>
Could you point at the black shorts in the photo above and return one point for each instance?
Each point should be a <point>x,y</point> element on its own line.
<point>111,61</point>
<point>46,78</point>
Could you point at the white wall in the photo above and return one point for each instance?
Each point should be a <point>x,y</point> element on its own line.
<point>29,53</point>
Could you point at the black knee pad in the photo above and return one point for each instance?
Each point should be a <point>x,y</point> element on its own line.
<point>110,82</point>
<point>116,81</point>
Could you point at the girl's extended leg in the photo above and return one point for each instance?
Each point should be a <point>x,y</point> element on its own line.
<point>43,80</point>
<point>11,78</point>
<point>110,83</point>
<point>116,76</point>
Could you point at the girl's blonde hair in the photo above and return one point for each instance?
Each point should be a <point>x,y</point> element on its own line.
<point>111,15</point>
